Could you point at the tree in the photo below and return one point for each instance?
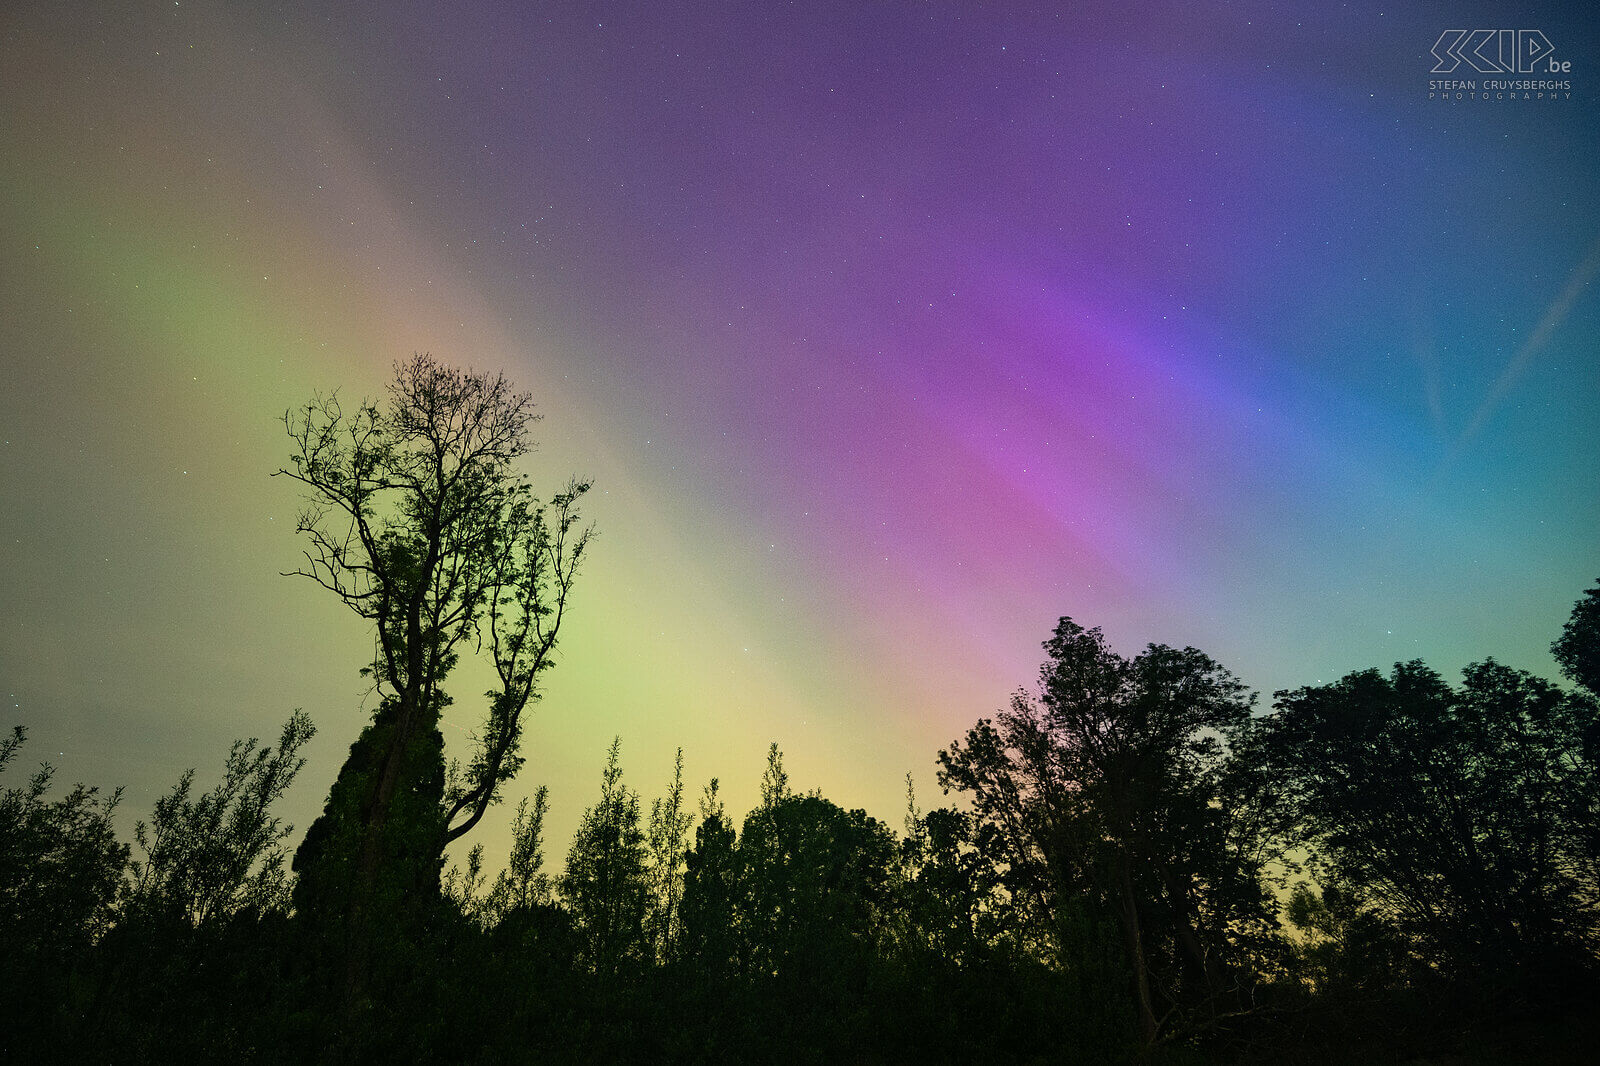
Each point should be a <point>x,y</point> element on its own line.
<point>463,889</point>
<point>212,856</point>
<point>815,886</point>
<point>1460,816</point>
<point>669,828</point>
<point>1578,647</point>
<point>417,520</point>
<point>774,779</point>
<point>812,911</point>
<point>60,868</point>
<point>1344,950</point>
<point>607,885</point>
<point>951,908</point>
<point>523,884</point>
<point>710,884</point>
<point>1106,785</point>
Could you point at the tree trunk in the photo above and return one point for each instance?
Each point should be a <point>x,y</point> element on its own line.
<point>1203,962</point>
<point>1133,938</point>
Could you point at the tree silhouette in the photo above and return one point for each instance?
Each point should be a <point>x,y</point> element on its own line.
<point>1107,784</point>
<point>1100,897</point>
<point>523,884</point>
<point>951,908</point>
<point>1460,815</point>
<point>60,870</point>
<point>669,827</point>
<point>606,885</point>
<point>208,857</point>
<point>417,520</point>
<point>1578,647</point>
<point>710,885</point>
<point>774,779</point>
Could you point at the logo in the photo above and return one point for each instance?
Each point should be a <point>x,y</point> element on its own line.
<point>1520,64</point>
<point>1497,52</point>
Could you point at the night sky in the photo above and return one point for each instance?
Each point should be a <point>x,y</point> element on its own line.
<point>889,332</point>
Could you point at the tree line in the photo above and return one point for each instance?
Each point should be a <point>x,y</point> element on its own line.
<point>1136,863</point>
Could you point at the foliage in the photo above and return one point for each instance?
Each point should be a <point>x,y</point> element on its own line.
<point>60,863</point>
<point>1462,816</point>
<point>951,904</point>
<point>814,885</point>
<point>160,957</point>
<point>1578,647</point>
<point>523,884</point>
<point>710,888</point>
<point>208,857</point>
<point>521,887</point>
<point>669,827</point>
<point>606,886</point>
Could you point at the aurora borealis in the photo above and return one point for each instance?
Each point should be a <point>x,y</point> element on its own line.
<point>888,332</point>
